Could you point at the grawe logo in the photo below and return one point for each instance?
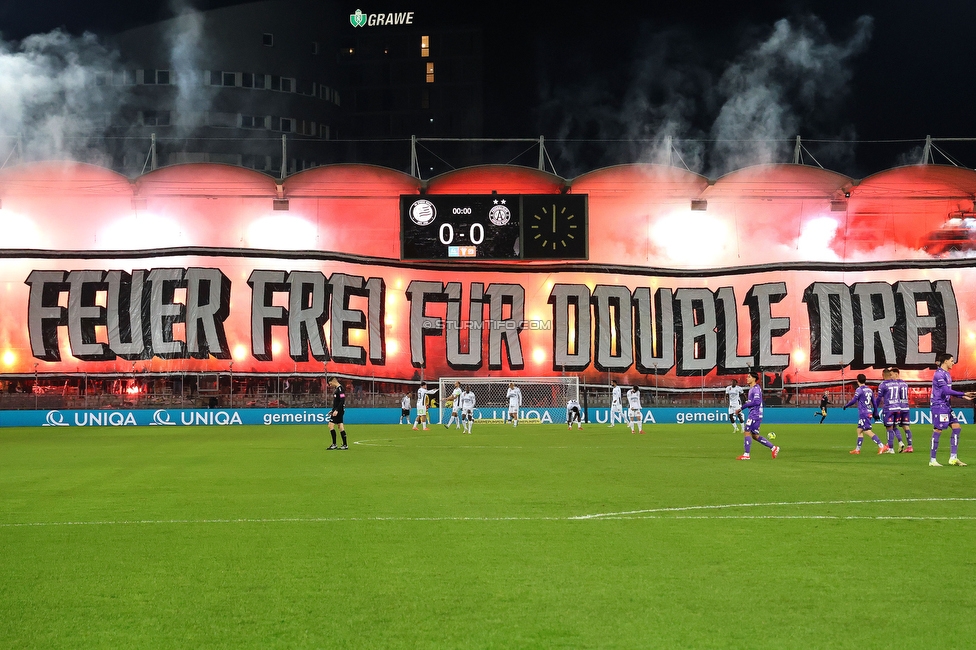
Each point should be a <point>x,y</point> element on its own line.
<point>359,19</point>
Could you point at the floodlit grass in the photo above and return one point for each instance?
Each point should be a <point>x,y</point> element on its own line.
<point>241,537</point>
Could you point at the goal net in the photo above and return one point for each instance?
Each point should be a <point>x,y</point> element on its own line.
<point>490,393</point>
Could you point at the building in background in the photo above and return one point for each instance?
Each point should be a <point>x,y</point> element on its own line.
<point>413,77</point>
<point>309,83</point>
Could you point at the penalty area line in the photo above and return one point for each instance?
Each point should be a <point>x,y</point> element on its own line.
<point>812,517</point>
<point>724,506</point>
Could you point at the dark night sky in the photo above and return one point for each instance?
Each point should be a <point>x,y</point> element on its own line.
<point>914,78</point>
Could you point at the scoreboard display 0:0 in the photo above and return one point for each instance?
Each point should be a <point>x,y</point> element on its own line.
<point>460,226</point>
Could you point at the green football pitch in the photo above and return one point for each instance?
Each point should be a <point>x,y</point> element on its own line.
<point>257,537</point>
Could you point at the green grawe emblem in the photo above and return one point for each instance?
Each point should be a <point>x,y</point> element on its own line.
<point>358,19</point>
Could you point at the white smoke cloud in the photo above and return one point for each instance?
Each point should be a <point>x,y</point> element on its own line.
<point>669,90</point>
<point>186,42</point>
<point>65,97</point>
<point>791,81</point>
<point>56,97</point>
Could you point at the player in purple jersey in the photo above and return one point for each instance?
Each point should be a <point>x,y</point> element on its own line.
<point>902,415</point>
<point>942,415</point>
<point>884,401</point>
<point>865,409</point>
<point>754,403</point>
<point>898,408</point>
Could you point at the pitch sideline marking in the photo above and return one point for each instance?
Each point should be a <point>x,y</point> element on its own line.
<point>651,513</point>
<point>377,442</point>
<point>373,443</point>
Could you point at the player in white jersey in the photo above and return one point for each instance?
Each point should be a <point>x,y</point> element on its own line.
<point>514,395</point>
<point>616,408</point>
<point>635,413</point>
<point>467,400</point>
<point>455,403</point>
<point>573,414</point>
<point>423,400</point>
<point>733,394</point>
<point>405,409</point>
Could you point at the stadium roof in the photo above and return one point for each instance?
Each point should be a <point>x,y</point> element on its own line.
<point>761,181</point>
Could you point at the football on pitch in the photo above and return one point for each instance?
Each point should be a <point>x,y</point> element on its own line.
<point>771,435</point>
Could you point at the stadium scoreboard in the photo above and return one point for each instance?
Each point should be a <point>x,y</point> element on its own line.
<point>493,226</point>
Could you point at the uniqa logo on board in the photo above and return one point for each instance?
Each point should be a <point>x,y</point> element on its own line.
<point>54,419</point>
<point>359,19</point>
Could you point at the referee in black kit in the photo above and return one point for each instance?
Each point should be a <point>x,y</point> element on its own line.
<point>338,410</point>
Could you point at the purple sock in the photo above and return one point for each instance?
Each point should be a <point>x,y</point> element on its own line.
<point>891,437</point>
<point>954,442</point>
<point>897,434</point>
<point>876,439</point>
<point>935,442</point>
<point>748,443</point>
<point>763,441</point>
<point>860,441</point>
<point>908,436</point>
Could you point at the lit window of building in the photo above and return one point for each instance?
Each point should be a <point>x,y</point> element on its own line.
<point>425,46</point>
<point>430,72</point>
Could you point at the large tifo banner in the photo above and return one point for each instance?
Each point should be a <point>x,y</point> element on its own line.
<point>797,271</point>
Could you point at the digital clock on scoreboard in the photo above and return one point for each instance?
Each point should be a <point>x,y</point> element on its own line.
<point>493,226</point>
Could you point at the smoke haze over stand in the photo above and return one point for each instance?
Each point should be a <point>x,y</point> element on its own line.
<point>899,87</point>
<point>792,81</point>
<point>56,97</point>
<point>186,45</point>
<point>63,97</point>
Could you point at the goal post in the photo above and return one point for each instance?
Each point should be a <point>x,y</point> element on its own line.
<point>537,392</point>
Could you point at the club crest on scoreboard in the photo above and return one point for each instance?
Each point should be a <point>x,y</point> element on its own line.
<point>499,215</point>
<point>422,212</point>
